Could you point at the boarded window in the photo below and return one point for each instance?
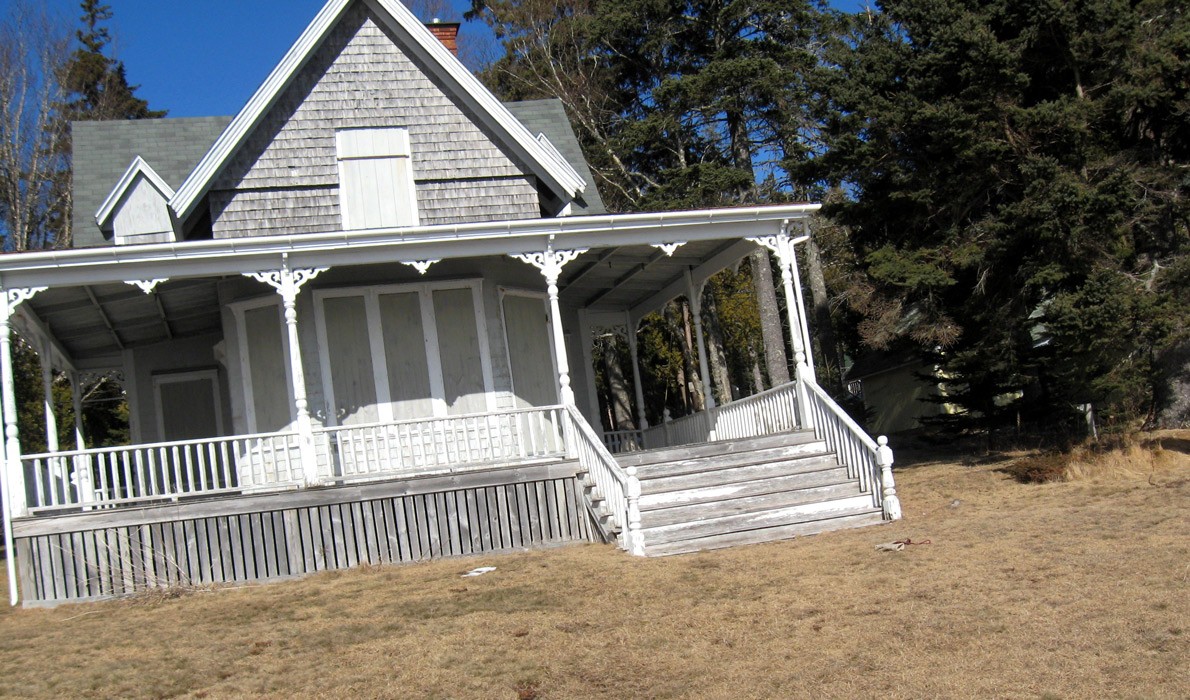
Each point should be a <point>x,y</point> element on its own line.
<point>376,178</point>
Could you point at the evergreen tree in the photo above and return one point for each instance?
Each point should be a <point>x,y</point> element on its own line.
<point>1013,164</point>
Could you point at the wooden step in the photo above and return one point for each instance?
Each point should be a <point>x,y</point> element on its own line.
<point>773,517</point>
<point>734,458</point>
<point>706,449</point>
<point>713,476</point>
<point>768,534</point>
<point>723,507</point>
<point>743,489</point>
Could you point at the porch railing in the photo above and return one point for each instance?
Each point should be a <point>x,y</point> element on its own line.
<point>867,460</point>
<point>111,476</point>
<point>624,440</point>
<point>380,450</point>
<point>766,413</point>
<point>618,487</point>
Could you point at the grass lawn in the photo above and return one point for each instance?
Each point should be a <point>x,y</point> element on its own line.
<point>1075,589</point>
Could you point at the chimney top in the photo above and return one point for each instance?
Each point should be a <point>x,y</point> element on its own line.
<point>447,33</point>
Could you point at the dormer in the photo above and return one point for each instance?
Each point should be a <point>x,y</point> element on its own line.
<point>137,210</point>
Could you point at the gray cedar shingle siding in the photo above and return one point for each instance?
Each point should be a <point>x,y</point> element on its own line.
<point>360,77</point>
<point>104,150</point>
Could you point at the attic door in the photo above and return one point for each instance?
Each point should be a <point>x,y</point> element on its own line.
<point>376,187</point>
<point>398,353</point>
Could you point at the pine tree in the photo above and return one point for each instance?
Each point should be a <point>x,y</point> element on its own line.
<point>1011,160</point>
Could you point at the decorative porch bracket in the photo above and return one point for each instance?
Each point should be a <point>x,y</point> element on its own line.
<point>14,472</point>
<point>288,282</point>
<point>783,247</point>
<point>422,266</point>
<point>669,248</point>
<point>550,264</point>
<point>146,286</point>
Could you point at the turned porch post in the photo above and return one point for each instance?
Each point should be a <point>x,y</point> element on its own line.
<point>76,398</point>
<point>782,245</point>
<point>47,389</point>
<point>642,423</point>
<point>14,471</point>
<point>288,283</point>
<point>550,263</point>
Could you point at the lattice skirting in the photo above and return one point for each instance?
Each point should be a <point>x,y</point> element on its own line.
<point>98,555</point>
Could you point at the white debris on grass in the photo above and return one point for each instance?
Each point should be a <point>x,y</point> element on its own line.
<point>479,572</point>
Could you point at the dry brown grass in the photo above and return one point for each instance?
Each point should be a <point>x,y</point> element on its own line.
<point>1073,589</point>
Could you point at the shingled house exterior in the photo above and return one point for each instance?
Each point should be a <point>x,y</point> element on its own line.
<point>346,321</point>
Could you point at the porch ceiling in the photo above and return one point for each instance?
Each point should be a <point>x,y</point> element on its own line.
<point>627,277</point>
<point>95,323</point>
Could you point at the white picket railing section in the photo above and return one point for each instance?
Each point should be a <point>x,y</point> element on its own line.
<point>769,412</point>
<point>381,450</point>
<point>110,476</point>
<point>619,487</point>
<point>624,440</point>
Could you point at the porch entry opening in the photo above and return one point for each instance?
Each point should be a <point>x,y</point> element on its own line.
<point>402,352</point>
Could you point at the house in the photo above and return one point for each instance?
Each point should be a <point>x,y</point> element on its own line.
<point>353,325</point>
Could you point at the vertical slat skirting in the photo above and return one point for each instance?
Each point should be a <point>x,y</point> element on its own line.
<point>117,561</point>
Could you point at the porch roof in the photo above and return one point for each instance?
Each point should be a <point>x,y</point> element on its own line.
<point>632,263</point>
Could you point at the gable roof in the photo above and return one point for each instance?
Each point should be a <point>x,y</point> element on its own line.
<point>138,168</point>
<point>541,158</point>
<point>103,149</point>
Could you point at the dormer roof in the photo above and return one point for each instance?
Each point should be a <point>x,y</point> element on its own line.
<point>138,168</point>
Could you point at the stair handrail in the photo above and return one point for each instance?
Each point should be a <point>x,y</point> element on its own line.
<point>620,487</point>
<point>867,459</point>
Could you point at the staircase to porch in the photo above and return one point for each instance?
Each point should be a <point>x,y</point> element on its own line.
<point>744,491</point>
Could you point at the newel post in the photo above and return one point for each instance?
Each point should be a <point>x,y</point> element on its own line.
<point>288,282</point>
<point>884,458</point>
<point>550,264</point>
<point>634,539</point>
<point>805,413</point>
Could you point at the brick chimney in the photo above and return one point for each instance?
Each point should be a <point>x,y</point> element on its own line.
<point>447,33</point>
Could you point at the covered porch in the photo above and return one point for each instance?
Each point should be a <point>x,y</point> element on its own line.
<point>217,337</point>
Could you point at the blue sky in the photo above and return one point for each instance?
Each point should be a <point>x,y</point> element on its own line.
<point>207,58</point>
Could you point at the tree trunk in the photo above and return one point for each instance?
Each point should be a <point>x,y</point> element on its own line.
<point>770,318</point>
<point>823,331</point>
<point>689,353</point>
<point>716,354</point>
<point>621,406</point>
<point>757,375</point>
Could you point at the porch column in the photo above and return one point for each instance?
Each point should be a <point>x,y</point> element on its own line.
<point>694,296</point>
<point>82,477</point>
<point>288,283</point>
<point>47,389</point>
<point>642,423</point>
<point>13,470</point>
<point>782,245</point>
<point>550,263</point>
<point>76,397</point>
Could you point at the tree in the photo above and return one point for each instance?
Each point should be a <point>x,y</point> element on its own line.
<point>96,88</point>
<point>1007,159</point>
<point>34,50</point>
